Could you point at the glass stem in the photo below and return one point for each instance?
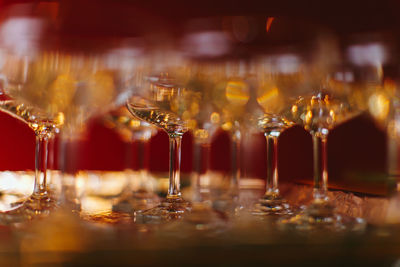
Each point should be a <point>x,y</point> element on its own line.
<point>200,161</point>
<point>68,166</point>
<point>197,164</point>
<point>40,188</point>
<point>272,164</point>
<point>320,167</point>
<point>175,141</point>
<point>235,150</point>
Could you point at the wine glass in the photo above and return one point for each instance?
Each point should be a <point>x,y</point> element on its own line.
<point>277,79</point>
<point>324,103</point>
<point>204,120</point>
<point>45,127</point>
<point>131,130</point>
<point>232,99</point>
<point>372,59</point>
<point>51,85</point>
<point>45,124</point>
<point>160,100</point>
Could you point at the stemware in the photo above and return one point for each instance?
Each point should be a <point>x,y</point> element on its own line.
<point>132,130</point>
<point>205,120</point>
<point>160,100</point>
<point>51,85</point>
<point>45,127</point>
<point>324,103</point>
<point>231,96</point>
<point>277,79</point>
<point>372,59</point>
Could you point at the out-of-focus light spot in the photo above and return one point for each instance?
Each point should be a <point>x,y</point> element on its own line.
<point>201,134</point>
<point>374,54</point>
<point>379,106</point>
<point>206,44</point>
<point>95,205</point>
<point>269,23</point>
<point>237,92</point>
<point>270,100</point>
<point>283,63</point>
<point>22,34</point>
<point>294,109</point>
<point>134,123</point>
<point>215,118</point>
<point>332,115</point>
<point>344,76</point>
<point>309,116</point>
<point>227,126</point>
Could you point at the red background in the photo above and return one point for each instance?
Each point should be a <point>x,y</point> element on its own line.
<point>356,153</point>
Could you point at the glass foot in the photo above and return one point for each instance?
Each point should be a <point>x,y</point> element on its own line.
<point>272,204</point>
<point>201,222</point>
<point>321,216</point>
<point>33,208</point>
<point>136,201</point>
<point>169,209</point>
<point>228,204</point>
<point>203,218</point>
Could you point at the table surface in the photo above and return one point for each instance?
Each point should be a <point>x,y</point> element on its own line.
<point>103,238</point>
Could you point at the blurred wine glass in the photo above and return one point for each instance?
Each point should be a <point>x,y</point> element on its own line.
<point>326,101</point>
<point>231,96</point>
<point>160,101</point>
<point>372,58</point>
<point>135,196</point>
<point>45,126</point>
<point>278,77</point>
<point>50,85</point>
<point>204,120</point>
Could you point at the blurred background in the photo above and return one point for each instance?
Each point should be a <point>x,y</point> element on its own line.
<point>357,149</point>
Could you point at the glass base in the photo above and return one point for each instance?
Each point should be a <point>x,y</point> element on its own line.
<point>135,201</point>
<point>320,216</point>
<point>201,222</point>
<point>228,204</point>
<point>203,218</point>
<point>36,206</point>
<point>169,209</point>
<point>272,204</point>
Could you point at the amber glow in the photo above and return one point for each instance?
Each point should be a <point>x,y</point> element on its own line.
<point>134,123</point>
<point>237,92</point>
<point>269,23</point>
<point>215,118</point>
<point>270,100</point>
<point>379,105</point>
